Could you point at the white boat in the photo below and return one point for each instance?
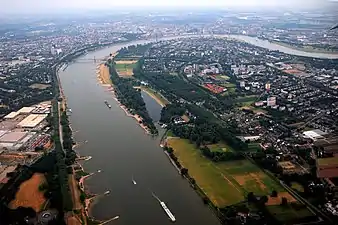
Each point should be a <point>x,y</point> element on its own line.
<point>116,217</point>
<point>167,211</point>
<point>107,192</point>
<point>134,182</point>
<point>99,171</point>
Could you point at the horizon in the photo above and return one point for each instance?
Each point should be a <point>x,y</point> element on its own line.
<point>77,6</point>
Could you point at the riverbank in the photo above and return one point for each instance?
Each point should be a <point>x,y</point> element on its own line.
<point>105,80</point>
<point>103,74</point>
<point>157,97</point>
<point>308,49</point>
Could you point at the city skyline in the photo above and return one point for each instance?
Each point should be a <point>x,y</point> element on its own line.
<point>33,6</point>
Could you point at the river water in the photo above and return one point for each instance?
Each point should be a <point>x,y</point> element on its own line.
<point>122,151</point>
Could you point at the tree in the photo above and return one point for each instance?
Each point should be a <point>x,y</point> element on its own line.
<point>274,193</point>
<point>264,199</point>
<point>184,171</point>
<point>251,197</point>
<point>170,150</point>
<point>83,197</point>
<point>284,201</point>
<point>205,200</point>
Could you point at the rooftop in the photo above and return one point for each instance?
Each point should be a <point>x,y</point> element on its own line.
<point>13,136</point>
<point>32,120</point>
<point>26,110</point>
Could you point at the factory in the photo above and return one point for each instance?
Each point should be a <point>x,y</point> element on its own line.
<point>25,129</point>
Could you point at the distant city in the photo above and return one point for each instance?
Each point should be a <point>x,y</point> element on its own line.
<point>249,105</point>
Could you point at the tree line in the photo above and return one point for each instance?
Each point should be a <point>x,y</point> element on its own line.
<point>130,97</point>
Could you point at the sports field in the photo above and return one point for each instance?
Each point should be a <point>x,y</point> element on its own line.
<point>124,68</point>
<point>225,183</point>
<point>220,147</point>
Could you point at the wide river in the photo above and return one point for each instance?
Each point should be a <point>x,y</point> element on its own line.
<point>122,151</point>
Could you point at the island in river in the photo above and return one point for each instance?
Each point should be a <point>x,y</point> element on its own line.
<point>123,152</point>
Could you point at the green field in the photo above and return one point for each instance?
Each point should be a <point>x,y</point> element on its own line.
<point>289,213</point>
<point>124,66</point>
<point>225,183</point>
<point>220,147</point>
<point>327,161</point>
<point>254,147</point>
<point>247,100</point>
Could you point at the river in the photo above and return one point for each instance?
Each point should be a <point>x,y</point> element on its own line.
<point>273,46</point>
<point>122,151</point>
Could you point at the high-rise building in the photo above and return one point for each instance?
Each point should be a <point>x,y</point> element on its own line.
<point>242,84</point>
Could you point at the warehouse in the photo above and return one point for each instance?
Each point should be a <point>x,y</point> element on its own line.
<point>32,120</point>
<point>12,137</point>
<point>26,110</point>
<point>11,115</point>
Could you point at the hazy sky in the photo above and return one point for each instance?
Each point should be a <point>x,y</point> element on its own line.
<point>38,5</point>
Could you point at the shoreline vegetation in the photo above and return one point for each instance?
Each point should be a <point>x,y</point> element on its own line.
<point>82,200</point>
<point>104,79</point>
<point>128,98</point>
<point>156,96</point>
<point>306,48</point>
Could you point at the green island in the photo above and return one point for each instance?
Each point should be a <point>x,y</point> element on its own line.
<point>130,97</point>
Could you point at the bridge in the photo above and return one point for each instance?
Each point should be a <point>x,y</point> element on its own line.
<point>91,60</point>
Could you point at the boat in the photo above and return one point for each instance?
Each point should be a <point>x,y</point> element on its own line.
<point>99,171</point>
<point>108,105</point>
<point>107,192</point>
<point>132,179</point>
<point>167,211</point>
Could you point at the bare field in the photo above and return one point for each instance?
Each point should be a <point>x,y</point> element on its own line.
<point>126,62</point>
<point>29,195</point>
<point>103,74</point>
<point>278,200</point>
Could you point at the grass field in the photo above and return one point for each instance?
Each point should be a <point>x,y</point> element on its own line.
<point>124,68</point>
<point>327,161</point>
<point>254,147</point>
<point>29,195</point>
<point>289,213</point>
<point>220,147</point>
<point>225,183</point>
<point>247,100</point>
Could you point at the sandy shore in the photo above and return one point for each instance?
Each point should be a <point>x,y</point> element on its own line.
<point>104,79</point>
<point>136,117</point>
<point>103,74</point>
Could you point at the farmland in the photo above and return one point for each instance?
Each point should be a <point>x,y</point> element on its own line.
<point>29,194</point>
<point>225,183</point>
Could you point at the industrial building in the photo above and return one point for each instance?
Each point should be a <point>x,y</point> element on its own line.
<point>24,129</point>
<point>32,120</point>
